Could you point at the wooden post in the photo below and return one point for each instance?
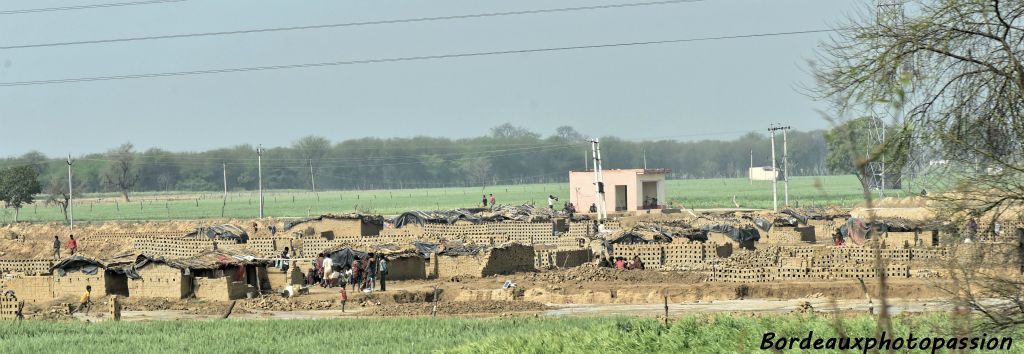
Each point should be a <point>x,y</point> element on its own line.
<point>433,311</point>
<point>666,310</point>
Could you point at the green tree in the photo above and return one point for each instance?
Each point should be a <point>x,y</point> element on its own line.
<point>853,147</point>
<point>18,187</point>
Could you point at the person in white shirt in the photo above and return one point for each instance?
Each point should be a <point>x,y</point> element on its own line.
<point>328,269</point>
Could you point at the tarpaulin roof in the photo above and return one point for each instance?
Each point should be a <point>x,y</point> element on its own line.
<point>368,219</point>
<point>737,233</point>
<point>526,212</point>
<point>435,217</point>
<point>763,224</point>
<point>798,216</point>
<point>73,264</point>
<point>224,232</point>
<point>426,248</point>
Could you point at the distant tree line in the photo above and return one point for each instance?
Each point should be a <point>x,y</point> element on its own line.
<point>508,155</point>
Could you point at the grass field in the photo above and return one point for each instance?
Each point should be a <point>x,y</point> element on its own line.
<point>703,193</point>
<point>692,334</point>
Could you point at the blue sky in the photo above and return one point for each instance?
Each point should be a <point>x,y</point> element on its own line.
<point>714,89</point>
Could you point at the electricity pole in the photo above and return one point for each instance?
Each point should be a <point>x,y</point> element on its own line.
<point>71,197</point>
<point>775,180</point>
<point>775,172</point>
<point>645,158</point>
<point>750,176</point>
<point>225,204</point>
<point>785,163</point>
<point>259,171</point>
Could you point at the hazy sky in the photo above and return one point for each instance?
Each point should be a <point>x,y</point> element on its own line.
<point>685,90</point>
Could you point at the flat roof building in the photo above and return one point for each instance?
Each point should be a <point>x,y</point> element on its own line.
<point>624,189</point>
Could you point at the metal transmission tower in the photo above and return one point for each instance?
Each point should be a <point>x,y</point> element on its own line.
<point>890,14</point>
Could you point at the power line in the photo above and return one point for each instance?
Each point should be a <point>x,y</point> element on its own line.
<point>350,24</point>
<point>401,59</point>
<point>83,7</point>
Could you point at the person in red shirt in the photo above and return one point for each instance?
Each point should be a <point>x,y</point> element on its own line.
<point>620,263</point>
<point>343,296</point>
<point>72,245</point>
<point>356,278</point>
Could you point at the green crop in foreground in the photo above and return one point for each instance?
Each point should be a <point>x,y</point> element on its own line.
<point>691,334</point>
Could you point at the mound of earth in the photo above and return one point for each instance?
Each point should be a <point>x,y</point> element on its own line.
<point>590,273</point>
<point>454,308</point>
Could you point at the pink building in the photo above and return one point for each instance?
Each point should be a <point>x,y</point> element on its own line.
<point>624,190</point>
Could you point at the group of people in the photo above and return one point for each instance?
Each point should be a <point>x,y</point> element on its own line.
<point>621,263</point>
<point>366,273</point>
<point>72,246</point>
<point>484,200</point>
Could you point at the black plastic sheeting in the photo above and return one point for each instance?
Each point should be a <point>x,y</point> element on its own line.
<point>76,264</point>
<point>699,235</point>
<point>437,216</point>
<point>739,234</point>
<point>799,217</point>
<point>425,249</point>
<point>763,224</point>
<point>344,257</point>
<point>222,232</point>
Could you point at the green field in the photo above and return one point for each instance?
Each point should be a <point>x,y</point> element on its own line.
<point>691,334</point>
<point>697,193</point>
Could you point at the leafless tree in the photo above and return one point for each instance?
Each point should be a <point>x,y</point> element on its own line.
<point>121,174</point>
<point>57,194</point>
<point>952,71</point>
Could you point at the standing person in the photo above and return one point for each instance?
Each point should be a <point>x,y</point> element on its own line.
<point>85,300</point>
<point>382,272</point>
<point>255,228</point>
<point>56,247</point>
<point>319,264</point>
<point>356,275</point>
<point>551,202</point>
<point>285,260</point>
<point>328,270</point>
<point>972,228</point>
<point>483,199</point>
<point>371,273</point>
<point>492,200</point>
<point>72,245</point>
<point>343,297</point>
<point>273,230</point>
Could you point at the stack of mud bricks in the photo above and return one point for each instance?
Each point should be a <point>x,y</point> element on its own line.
<point>651,254</point>
<point>220,289</point>
<point>781,235</point>
<point>690,255</point>
<point>566,242</point>
<point>268,246</point>
<point>827,227</point>
<point>548,257</point>
<point>73,284</point>
<point>311,247</point>
<point>901,239</point>
<point>27,266</point>
<point>32,289</point>
<point>172,247</point>
<point>580,229</point>
<point>739,275</point>
<point>490,240</point>
<point>10,308</point>
<point>509,259</point>
<point>130,235</point>
<point>527,233</point>
<point>447,266</point>
<point>159,281</point>
<point>928,257</point>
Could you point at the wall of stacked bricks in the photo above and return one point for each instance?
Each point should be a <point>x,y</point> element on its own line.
<point>73,285</point>
<point>552,257</point>
<point>448,266</point>
<point>31,289</point>
<point>160,281</point>
<point>509,259</point>
<point>220,289</point>
<point>10,307</point>
<point>406,268</point>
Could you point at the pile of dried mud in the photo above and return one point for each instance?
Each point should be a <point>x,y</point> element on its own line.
<point>590,273</point>
<point>454,308</point>
<point>278,303</point>
<point>195,307</point>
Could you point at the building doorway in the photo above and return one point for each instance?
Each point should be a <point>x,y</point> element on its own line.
<point>621,199</point>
